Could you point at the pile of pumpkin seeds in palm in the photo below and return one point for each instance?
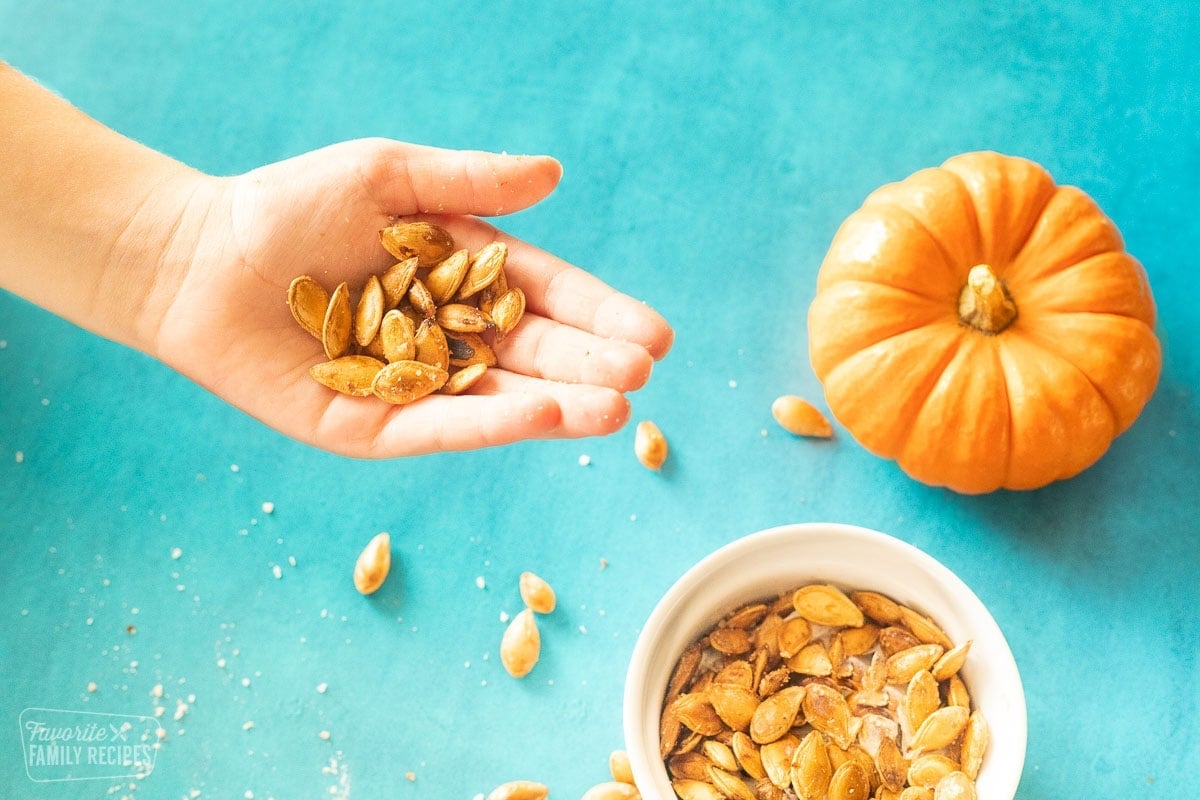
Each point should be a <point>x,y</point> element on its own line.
<point>818,695</point>
<point>418,327</point>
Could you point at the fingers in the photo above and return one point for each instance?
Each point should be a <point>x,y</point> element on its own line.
<point>435,424</point>
<point>504,408</point>
<point>555,289</point>
<point>547,349</point>
<point>414,179</point>
<point>586,410</point>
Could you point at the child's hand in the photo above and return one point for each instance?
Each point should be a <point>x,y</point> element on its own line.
<point>223,320</point>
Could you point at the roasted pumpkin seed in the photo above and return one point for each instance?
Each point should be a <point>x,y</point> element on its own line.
<point>521,645</point>
<point>443,280</point>
<point>403,382</point>
<point>352,375</point>
<point>486,265</point>
<point>430,243</point>
<point>373,564</point>
<point>308,302</point>
<point>369,312</point>
<point>335,327</point>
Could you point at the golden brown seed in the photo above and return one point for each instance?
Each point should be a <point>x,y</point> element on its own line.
<point>920,700</point>
<point>850,782</point>
<point>811,770</point>
<point>738,673</point>
<point>521,644</point>
<point>669,730</point>
<point>882,609</point>
<point>519,790</point>
<point>765,790</point>
<point>536,593</point>
<point>893,639</point>
<point>975,742</point>
<point>924,629</point>
<point>649,445</point>
<point>684,670</point>
<point>352,375</point>
<point>859,641</point>
<point>405,381</point>
<point>421,299</point>
<point>463,379</point>
<point>697,714</point>
<point>747,755</point>
<point>811,660</point>
<point>951,662</point>
<point>507,312</point>
<point>619,767</point>
<point>462,318</point>
<point>773,681</point>
<point>469,348</point>
<point>777,759</point>
<point>612,790</point>
<point>916,793</point>
<point>396,281</point>
<point>955,786</point>
<point>430,345</point>
<point>373,564</point>
<point>369,312</point>
<point>928,769</point>
<point>730,641</point>
<point>720,754</point>
<point>734,704</point>
<point>729,785</point>
<point>776,714</point>
<point>428,242</point>
<point>746,616</point>
<point>797,415</point>
<point>485,266</point>
<point>902,666</point>
<point>308,301</point>
<point>443,280</point>
<point>956,693</point>
<point>939,729</point>
<point>374,349</point>
<point>335,328</point>
<point>826,605</point>
<point>396,334</point>
<point>689,766</point>
<point>794,634</point>
<point>891,763</point>
<point>492,292</point>
<point>827,711</point>
<point>696,790</point>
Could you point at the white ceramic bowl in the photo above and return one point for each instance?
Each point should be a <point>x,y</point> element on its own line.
<point>769,562</point>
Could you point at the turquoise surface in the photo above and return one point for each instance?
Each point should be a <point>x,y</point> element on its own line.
<point>710,153</point>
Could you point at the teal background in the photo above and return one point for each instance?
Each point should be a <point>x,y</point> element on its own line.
<point>710,153</point>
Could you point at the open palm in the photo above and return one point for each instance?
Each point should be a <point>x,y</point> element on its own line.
<point>561,373</point>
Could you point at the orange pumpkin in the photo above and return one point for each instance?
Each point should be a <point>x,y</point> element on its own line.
<point>983,327</point>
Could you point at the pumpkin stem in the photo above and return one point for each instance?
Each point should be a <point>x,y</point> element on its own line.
<point>985,303</point>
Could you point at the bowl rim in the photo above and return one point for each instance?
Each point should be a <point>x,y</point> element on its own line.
<point>634,724</point>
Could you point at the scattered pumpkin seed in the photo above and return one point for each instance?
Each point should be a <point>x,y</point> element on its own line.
<point>373,564</point>
<point>521,645</point>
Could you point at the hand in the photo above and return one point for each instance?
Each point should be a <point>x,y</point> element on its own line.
<point>222,318</point>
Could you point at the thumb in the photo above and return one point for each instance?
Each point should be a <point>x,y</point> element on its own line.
<point>412,179</point>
